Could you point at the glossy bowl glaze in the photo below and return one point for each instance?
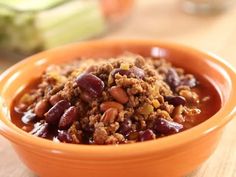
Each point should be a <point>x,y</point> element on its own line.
<point>171,156</point>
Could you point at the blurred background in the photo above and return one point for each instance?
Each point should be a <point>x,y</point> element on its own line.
<point>30,26</point>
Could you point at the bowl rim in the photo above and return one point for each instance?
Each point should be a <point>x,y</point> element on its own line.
<point>18,136</point>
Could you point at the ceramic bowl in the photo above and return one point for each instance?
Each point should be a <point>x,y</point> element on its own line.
<point>171,156</point>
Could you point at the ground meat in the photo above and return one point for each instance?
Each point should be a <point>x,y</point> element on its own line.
<point>121,100</point>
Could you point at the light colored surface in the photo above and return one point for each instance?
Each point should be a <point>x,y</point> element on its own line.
<point>157,19</point>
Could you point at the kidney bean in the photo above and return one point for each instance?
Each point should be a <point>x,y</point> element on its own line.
<point>175,100</point>
<point>166,127</point>
<point>87,138</point>
<point>68,118</point>
<point>91,84</point>
<point>138,72</point>
<point>122,72</point>
<point>55,99</point>
<point>40,130</point>
<point>54,114</point>
<point>28,117</point>
<point>146,135</point>
<point>111,104</point>
<point>172,78</point>
<point>41,108</point>
<point>125,127</point>
<point>109,116</point>
<point>64,136</point>
<point>188,81</point>
<point>119,94</point>
<point>90,69</point>
<point>88,130</point>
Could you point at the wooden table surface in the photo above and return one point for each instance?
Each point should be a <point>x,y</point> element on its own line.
<point>157,19</point>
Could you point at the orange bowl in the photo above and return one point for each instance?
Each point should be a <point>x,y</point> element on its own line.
<point>175,155</point>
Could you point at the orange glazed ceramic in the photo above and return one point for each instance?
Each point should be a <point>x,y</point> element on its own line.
<point>171,156</point>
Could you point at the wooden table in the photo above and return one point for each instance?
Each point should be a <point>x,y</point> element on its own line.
<point>163,20</point>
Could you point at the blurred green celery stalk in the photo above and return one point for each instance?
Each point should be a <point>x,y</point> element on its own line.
<point>28,29</point>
